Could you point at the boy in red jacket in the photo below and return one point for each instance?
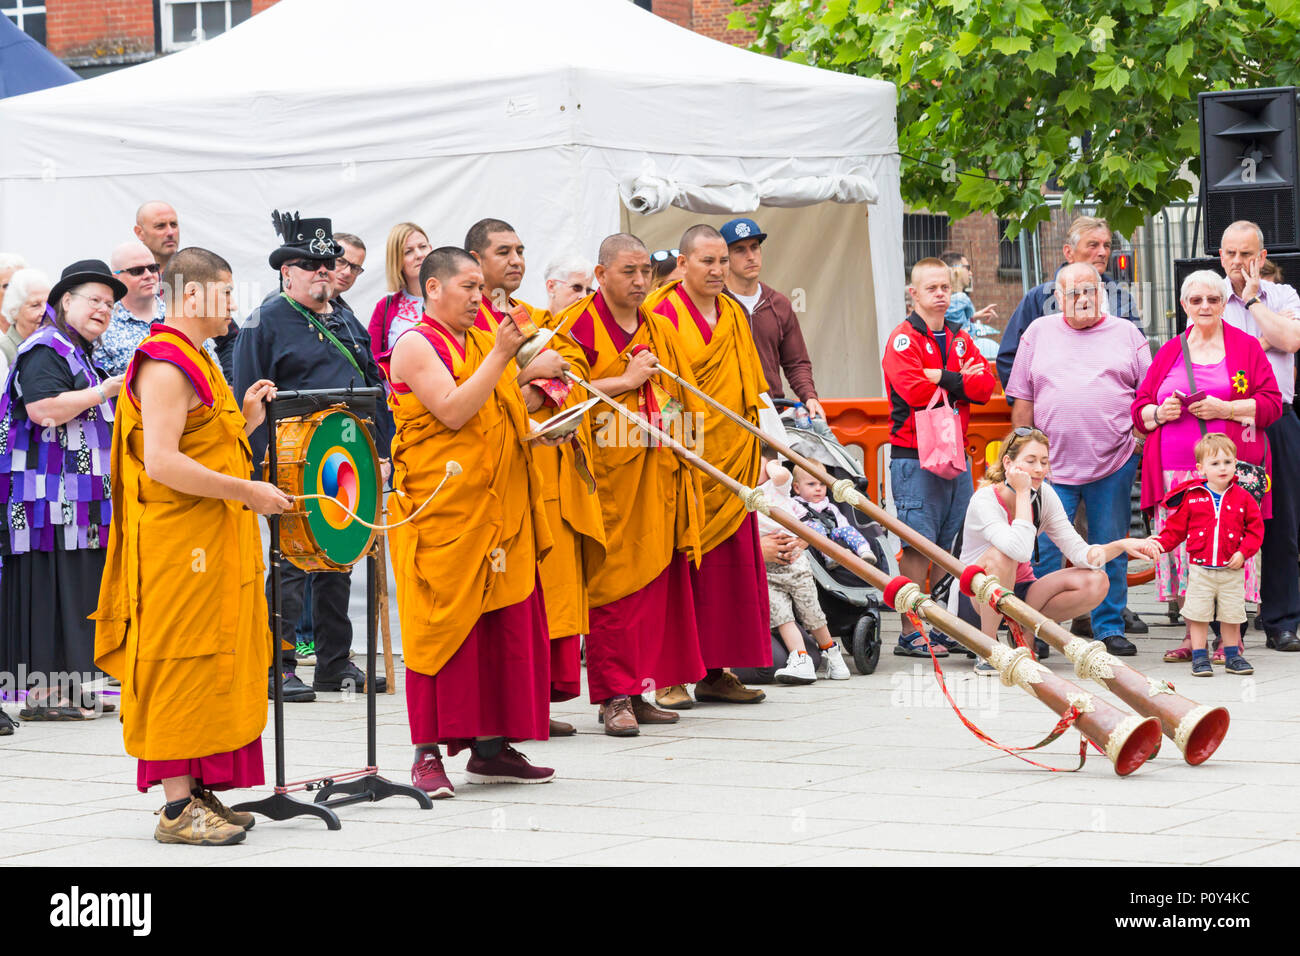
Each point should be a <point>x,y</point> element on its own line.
<point>1223,528</point>
<point>925,354</point>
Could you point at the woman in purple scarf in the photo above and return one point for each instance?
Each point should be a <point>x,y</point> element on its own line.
<point>56,429</point>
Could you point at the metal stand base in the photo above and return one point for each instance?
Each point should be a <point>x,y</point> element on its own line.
<point>281,806</point>
<point>369,789</point>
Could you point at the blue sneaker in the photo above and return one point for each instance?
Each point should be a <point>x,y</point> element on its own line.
<point>913,645</point>
<point>1238,665</point>
<point>1202,668</point>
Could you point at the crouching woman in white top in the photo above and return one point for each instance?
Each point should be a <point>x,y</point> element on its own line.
<point>1013,505</point>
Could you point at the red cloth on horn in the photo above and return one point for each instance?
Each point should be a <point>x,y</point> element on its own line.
<point>232,770</point>
<point>497,684</point>
<point>731,606</point>
<point>566,668</point>
<point>647,639</point>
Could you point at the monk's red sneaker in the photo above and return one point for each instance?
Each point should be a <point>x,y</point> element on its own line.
<point>509,766</point>
<point>428,775</point>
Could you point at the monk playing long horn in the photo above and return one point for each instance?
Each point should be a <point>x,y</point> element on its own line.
<point>474,633</point>
<point>182,616</point>
<point>643,631</point>
<point>572,506</point>
<point>731,603</point>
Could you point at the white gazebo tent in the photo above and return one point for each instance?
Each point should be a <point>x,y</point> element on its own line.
<point>570,119</point>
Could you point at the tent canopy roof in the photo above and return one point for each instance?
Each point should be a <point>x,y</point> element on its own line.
<point>398,79</point>
<point>25,65</point>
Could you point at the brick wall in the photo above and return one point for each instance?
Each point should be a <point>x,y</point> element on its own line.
<point>98,28</point>
<point>706,17</point>
<point>977,238</point>
<point>77,29</point>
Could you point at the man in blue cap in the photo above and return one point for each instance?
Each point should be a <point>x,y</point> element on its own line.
<point>776,329</point>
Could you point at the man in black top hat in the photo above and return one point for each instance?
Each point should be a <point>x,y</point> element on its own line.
<point>298,339</point>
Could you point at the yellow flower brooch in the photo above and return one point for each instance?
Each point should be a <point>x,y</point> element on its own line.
<point>1239,382</point>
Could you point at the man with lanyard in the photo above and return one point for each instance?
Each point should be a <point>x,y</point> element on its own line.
<point>1268,310</point>
<point>298,340</point>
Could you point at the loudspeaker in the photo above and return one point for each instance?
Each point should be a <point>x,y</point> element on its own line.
<point>1249,164</point>
<point>1288,262</point>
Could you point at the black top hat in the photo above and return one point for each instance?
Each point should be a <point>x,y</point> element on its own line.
<point>303,239</point>
<point>86,270</point>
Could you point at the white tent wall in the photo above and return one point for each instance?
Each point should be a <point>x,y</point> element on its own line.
<point>439,112</point>
<point>818,255</point>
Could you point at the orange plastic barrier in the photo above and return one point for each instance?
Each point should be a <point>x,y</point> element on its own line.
<point>864,422</point>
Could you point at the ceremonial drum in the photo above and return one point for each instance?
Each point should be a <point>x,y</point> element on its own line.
<point>327,453</point>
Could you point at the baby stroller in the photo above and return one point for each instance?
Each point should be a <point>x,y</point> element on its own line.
<point>852,607</point>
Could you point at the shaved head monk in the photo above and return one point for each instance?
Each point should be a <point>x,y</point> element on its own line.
<point>730,586</point>
<point>572,507</point>
<point>643,631</point>
<point>474,632</point>
<point>159,228</point>
<point>181,618</point>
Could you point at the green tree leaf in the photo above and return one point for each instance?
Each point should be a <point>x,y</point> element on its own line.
<point>1009,45</point>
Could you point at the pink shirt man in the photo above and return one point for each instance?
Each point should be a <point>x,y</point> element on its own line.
<point>1082,383</point>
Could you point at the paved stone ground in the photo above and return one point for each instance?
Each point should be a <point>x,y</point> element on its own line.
<point>872,770</point>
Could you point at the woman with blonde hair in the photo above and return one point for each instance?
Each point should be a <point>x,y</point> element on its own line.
<point>1013,505</point>
<point>401,309</point>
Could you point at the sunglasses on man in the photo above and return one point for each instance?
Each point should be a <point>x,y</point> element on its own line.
<point>138,271</point>
<point>313,265</point>
<point>665,254</point>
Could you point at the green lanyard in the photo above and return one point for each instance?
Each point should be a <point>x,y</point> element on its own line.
<point>320,327</point>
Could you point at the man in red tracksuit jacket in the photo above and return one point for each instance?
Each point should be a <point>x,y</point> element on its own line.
<point>924,354</point>
<point>1222,526</point>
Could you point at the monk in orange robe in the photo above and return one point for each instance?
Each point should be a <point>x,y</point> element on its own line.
<point>474,631</point>
<point>572,507</point>
<point>730,586</point>
<point>182,618</point>
<point>643,630</point>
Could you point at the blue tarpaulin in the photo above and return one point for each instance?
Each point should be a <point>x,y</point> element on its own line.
<point>25,65</point>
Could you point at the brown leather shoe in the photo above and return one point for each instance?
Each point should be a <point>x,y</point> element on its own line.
<point>675,697</point>
<point>650,714</point>
<point>728,689</point>
<point>560,729</point>
<point>618,717</point>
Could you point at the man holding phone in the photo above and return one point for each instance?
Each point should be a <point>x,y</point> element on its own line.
<point>1268,311</point>
<point>1075,376</point>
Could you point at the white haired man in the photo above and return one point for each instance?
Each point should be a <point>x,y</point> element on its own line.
<point>1075,377</point>
<point>569,278</point>
<point>1268,311</point>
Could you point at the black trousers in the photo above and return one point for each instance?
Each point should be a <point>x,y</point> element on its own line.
<point>1280,556</point>
<point>329,596</point>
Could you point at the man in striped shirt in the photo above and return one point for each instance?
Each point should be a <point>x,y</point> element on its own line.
<point>1075,377</point>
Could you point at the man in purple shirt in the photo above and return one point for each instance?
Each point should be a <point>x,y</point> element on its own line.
<point>1075,376</point>
<point>1268,311</point>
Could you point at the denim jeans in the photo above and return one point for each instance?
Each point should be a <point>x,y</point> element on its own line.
<point>1107,501</point>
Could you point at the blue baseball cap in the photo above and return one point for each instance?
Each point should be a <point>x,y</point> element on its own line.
<point>739,229</point>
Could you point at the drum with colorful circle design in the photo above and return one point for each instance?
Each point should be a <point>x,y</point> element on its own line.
<point>327,453</point>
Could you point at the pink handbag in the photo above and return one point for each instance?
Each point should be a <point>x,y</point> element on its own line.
<point>938,438</point>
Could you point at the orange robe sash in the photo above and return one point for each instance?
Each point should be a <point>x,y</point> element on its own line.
<point>476,547</point>
<point>650,501</point>
<point>182,616</point>
<point>727,367</point>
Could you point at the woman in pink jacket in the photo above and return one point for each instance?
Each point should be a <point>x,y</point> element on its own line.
<point>1240,398</point>
<point>401,309</point>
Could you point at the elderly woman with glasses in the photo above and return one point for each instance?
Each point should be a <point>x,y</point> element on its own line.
<point>1211,378</point>
<point>1013,505</point>
<point>22,306</point>
<point>56,428</point>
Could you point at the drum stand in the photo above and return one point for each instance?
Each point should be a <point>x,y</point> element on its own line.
<point>354,786</point>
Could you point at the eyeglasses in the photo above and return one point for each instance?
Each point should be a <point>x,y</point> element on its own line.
<point>1077,291</point>
<point>355,269</point>
<point>138,271</point>
<point>96,303</point>
<point>581,289</point>
<point>1208,299</point>
<point>664,254</point>
<point>313,265</point>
